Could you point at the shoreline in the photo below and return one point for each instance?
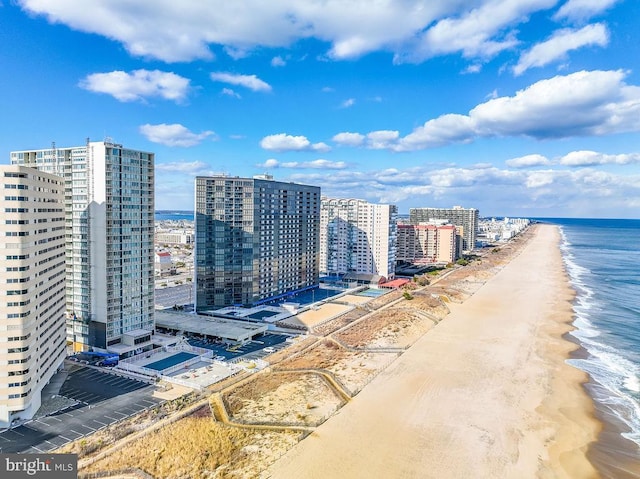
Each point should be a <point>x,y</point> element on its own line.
<point>480,395</point>
<point>613,455</point>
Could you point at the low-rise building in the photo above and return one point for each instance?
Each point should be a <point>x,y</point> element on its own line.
<point>174,237</point>
<point>163,264</point>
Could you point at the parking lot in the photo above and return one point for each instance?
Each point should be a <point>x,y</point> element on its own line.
<point>103,399</point>
<point>174,295</point>
<point>251,350</point>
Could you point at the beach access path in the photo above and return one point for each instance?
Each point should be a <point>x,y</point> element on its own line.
<point>485,394</point>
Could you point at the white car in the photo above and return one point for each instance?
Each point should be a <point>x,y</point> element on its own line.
<point>269,350</point>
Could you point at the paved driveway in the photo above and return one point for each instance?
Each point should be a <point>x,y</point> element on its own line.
<point>103,399</point>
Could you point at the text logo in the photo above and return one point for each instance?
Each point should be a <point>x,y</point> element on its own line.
<point>50,466</point>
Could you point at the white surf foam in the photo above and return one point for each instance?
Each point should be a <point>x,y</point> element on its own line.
<point>618,377</point>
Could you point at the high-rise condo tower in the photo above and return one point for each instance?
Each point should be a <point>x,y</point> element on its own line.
<point>109,228</point>
<point>256,240</point>
<point>32,288</point>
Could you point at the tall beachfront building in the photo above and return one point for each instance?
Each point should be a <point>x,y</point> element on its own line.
<point>256,240</point>
<point>109,227</point>
<point>463,218</point>
<point>426,243</point>
<point>357,237</point>
<point>32,288</point>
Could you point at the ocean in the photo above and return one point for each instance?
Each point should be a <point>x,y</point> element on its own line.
<point>175,215</point>
<point>602,257</point>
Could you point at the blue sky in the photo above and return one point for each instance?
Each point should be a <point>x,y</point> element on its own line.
<point>514,107</point>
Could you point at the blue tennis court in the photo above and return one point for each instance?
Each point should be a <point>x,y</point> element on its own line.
<point>171,361</point>
<point>259,315</point>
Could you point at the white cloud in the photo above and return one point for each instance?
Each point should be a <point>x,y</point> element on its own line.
<point>561,42</point>
<point>585,103</point>
<point>537,179</point>
<point>138,85</point>
<point>582,9</point>
<point>476,33</point>
<point>551,192</point>
<point>284,142</point>
<point>328,89</point>
<point>173,135</point>
<point>184,31</point>
<point>527,161</point>
<point>270,163</point>
<point>593,158</point>
<point>381,139</point>
<point>348,103</point>
<point>278,62</point>
<point>475,68</point>
<point>443,130</point>
<point>491,95</point>
<point>349,139</point>
<point>582,103</point>
<point>319,164</point>
<point>231,93</point>
<point>251,82</point>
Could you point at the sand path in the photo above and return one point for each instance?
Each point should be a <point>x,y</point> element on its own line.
<point>485,394</point>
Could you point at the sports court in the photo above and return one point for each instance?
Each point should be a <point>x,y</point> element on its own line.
<point>372,293</point>
<point>253,347</point>
<point>260,315</point>
<point>170,361</point>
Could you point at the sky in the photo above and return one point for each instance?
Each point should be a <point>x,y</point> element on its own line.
<point>527,108</point>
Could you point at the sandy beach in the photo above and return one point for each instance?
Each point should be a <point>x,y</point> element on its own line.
<point>486,393</point>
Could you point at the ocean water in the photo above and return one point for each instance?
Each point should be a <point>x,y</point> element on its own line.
<point>175,215</point>
<point>602,257</point>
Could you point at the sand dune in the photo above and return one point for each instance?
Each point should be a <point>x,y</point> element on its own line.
<point>486,393</point>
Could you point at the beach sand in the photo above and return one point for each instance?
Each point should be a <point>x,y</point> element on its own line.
<point>484,394</point>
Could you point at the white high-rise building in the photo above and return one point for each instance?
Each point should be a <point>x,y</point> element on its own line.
<point>109,221</point>
<point>357,237</point>
<point>32,288</point>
